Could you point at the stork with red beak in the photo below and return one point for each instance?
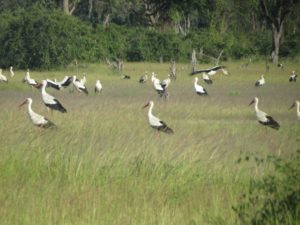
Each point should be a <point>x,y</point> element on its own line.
<point>264,118</point>
<point>155,122</point>
<point>37,119</point>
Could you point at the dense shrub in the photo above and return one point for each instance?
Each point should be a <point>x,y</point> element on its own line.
<point>41,38</point>
<point>44,39</point>
<point>275,198</point>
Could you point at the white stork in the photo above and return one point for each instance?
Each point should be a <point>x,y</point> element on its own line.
<point>98,86</point>
<point>153,77</point>
<point>11,71</point>
<point>155,122</point>
<point>260,82</point>
<point>79,86</point>
<point>166,82</point>
<point>50,101</point>
<point>125,77</point>
<point>83,79</point>
<point>206,78</point>
<point>211,71</point>
<point>297,104</point>
<point>143,78</point>
<point>2,77</point>
<point>30,81</point>
<point>37,119</point>
<point>293,77</point>
<point>157,86</point>
<point>264,118</point>
<point>198,88</point>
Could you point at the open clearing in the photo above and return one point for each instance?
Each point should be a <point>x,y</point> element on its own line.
<point>105,165</point>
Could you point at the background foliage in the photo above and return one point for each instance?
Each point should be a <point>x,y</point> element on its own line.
<point>38,34</point>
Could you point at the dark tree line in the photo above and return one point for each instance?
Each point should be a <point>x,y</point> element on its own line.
<point>183,17</point>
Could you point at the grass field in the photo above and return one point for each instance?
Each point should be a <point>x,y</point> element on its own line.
<point>105,165</point>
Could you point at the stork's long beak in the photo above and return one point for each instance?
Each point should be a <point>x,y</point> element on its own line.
<point>146,105</point>
<point>251,102</point>
<point>292,106</point>
<point>23,103</point>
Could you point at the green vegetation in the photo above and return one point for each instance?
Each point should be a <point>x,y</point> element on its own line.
<point>40,35</point>
<point>105,165</point>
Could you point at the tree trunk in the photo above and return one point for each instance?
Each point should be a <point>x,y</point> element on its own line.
<point>66,6</point>
<point>277,34</point>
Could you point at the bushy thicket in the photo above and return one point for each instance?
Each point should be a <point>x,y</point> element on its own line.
<point>274,199</point>
<point>39,38</point>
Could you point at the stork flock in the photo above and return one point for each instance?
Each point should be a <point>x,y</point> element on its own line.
<point>161,87</point>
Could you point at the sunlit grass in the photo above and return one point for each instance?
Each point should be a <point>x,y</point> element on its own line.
<point>105,165</point>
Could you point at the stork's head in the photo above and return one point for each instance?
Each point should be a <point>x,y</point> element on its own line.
<point>150,103</point>
<point>294,104</point>
<point>27,100</point>
<point>254,101</point>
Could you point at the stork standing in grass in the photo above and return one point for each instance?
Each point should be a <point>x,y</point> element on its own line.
<point>155,122</point>
<point>293,77</point>
<point>260,82</point>
<point>165,84</point>
<point>2,77</point>
<point>51,102</point>
<point>12,74</point>
<point>199,89</point>
<point>206,78</point>
<point>98,87</point>
<point>297,105</point>
<point>83,79</point>
<point>30,81</point>
<point>37,119</point>
<point>264,118</point>
<point>79,86</point>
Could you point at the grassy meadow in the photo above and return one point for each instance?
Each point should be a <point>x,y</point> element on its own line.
<point>105,165</point>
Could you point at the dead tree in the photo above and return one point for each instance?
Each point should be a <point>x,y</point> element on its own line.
<point>115,64</point>
<point>173,70</point>
<point>194,61</point>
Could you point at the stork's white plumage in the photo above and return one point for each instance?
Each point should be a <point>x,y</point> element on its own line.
<point>260,82</point>
<point>2,77</point>
<point>79,86</point>
<point>264,118</point>
<point>30,81</point>
<point>37,119</point>
<point>198,88</point>
<point>206,78</point>
<point>11,71</point>
<point>166,82</point>
<point>155,122</point>
<point>157,86</point>
<point>211,71</point>
<point>98,86</point>
<point>297,105</point>
<point>293,77</point>
<point>50,101</point>
<point>154,77</point>
<point>53,84</point>
<point>83,79</point>
<point>65,82</point>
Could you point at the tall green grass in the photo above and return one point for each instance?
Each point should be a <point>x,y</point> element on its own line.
<point>105,165</point>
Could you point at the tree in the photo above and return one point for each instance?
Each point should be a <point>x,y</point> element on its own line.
<point>276,13</point>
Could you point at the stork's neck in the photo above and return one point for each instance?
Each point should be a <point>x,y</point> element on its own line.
<point>29,108</point>
<point>298,109</point>
<point>44,88</point>
<point>150,110</point>
<point>256,106</point>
